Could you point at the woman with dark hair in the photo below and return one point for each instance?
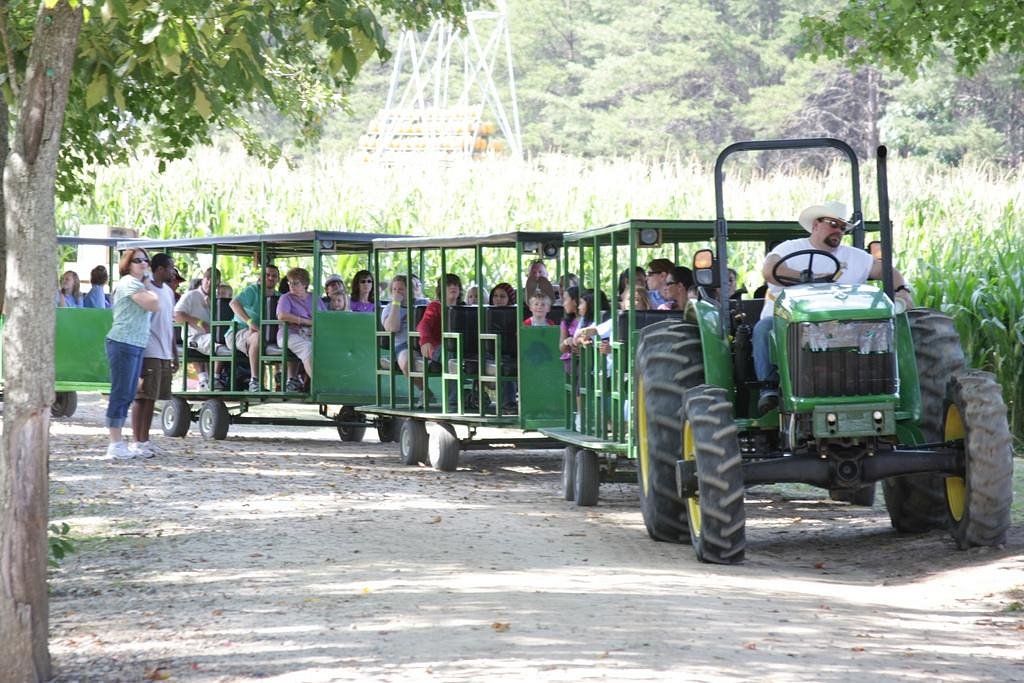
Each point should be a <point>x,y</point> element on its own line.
<point>134,304</point>
<point>502,294</point>
<point>641,280</point>
<point>95,298</point>
<point>361,293</point>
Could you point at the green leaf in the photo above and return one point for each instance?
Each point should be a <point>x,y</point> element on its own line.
<point>202,104</point>
<point>96,91</point>
<point>348,57</point>
<point>172,61</point>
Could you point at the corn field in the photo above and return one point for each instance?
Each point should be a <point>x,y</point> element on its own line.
<point>959,233</point>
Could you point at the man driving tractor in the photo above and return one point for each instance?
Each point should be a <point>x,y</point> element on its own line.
<point>820,257</point>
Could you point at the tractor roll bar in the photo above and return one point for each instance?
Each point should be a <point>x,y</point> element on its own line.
<point>722,227</point>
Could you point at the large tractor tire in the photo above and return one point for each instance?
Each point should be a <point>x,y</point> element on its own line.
<point>716,514</point>
<point>668,362</point>
<point>917,502</point>
<point>979,503</point>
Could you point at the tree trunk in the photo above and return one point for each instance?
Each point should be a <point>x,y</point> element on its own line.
<point>873,113</point>
<point>29,177</point>
<point>5,149</point>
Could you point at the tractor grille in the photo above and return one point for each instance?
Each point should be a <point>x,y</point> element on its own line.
<point>842,358</point>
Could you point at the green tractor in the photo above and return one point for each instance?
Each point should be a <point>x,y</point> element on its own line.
<point>868,393</point>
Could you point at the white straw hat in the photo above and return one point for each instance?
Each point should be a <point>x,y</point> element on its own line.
<point>826,210</point>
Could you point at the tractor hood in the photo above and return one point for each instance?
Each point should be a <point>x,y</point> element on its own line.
<point>818,302</point>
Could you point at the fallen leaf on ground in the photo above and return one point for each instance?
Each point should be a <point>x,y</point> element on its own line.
<point>435,520</point>
<point>500,626</point>
<point>158,674</point>
<point>750,646</point>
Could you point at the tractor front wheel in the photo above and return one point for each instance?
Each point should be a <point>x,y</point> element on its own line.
<point>716,514</point>
<point>668,362</point>
<point>979,502</point>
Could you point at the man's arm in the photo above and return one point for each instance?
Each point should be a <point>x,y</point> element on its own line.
<point>239,310</point>
<point>392,318</point>
<point>182,314</point>
<point>899,284</point>
<point>769,265</point>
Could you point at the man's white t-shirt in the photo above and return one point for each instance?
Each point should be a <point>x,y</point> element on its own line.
<point>854,266</point>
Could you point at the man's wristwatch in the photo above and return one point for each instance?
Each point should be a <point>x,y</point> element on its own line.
<point>904,288</point>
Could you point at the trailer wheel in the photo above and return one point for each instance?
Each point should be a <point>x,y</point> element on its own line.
<point>587,484</point>
<point>214,419</point>
<point>412,442</point>
<point>917,502</point>
<point>346,433</point>
<point>669,361</point>
<point>443,447</point>
<point>386,431</point>
<point>569,472</point>
<point>716,514</point>
<point>979,503</point>
<point>64,404</point>
<point>176,417</point>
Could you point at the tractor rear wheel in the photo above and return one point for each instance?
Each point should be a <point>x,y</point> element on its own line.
<point>716,514</point>
<point>917,502</point>
<point>669,361</point>
<point>979,503</point>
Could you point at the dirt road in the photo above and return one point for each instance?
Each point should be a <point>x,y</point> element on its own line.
<point>286,555</point>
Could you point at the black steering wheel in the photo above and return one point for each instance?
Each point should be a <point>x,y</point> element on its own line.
<point>807,275</point>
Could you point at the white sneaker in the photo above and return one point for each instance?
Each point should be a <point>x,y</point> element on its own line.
<point>119,451</point>
<point>143,449</point>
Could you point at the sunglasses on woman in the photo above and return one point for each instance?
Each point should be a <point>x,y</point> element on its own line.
<point>140,259</point>
<point>367,281</point>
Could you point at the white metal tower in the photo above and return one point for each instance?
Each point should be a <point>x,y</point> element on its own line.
<point>452,94</point>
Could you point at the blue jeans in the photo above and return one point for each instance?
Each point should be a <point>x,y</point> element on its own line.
<point>763,366</point>
<point>125,367</point>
